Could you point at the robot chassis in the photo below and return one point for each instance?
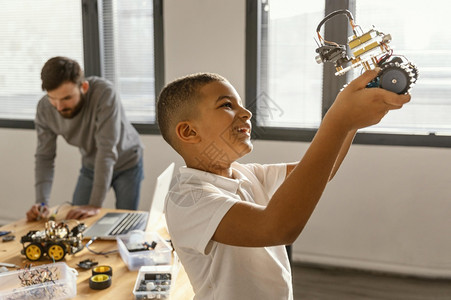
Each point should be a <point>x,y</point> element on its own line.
<point>55,241</point>
<point>370,49</point>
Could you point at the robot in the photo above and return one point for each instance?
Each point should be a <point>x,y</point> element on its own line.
<point>370,49</point>
<point>55,241</point>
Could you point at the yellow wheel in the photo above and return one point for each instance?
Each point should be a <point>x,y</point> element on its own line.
<point>100,281</point>
<point>56,252</point>
<point>33,251</point>
<point>107,270</point>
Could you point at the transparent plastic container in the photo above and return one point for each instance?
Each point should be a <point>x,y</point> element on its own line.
<point>133,251</point>
<point>155,282</point>
<point>52,281</point>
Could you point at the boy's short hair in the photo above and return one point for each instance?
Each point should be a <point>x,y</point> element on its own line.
<point>59,70</point>
<point>177,102</point>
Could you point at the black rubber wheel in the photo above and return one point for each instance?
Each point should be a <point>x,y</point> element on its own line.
<point>100,282</point>
<point>107,270</point>
<point>395,79</point>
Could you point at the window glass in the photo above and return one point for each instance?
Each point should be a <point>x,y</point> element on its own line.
<point>29,38</point>
<point>290,78</point>
<point>421,33</point>
<point>128,41</point>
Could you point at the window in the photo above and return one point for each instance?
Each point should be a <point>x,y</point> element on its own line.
<point>128,45</point>
<point>292,92</point>
<point>291,80</point>
<point>27,42</point>
<point>426,43</point>
<point>120,40</point>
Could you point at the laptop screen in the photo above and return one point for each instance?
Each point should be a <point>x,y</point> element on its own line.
<point>107,226</point>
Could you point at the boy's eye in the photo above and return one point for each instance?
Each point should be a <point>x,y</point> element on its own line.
<point>227,104</point>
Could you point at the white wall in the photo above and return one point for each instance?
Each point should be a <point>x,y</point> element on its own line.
<point>387,208</point>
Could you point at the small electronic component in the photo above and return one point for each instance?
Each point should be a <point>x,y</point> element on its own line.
<point>87,264</point>
<point>8,238</point>
<point>142,246</point>
<point>370,49</point>
<point>155,282</point>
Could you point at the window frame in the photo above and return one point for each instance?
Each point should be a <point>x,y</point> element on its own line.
<point>93,59</point>
<point>335,30</point>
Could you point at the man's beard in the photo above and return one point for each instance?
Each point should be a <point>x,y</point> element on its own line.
<point>69,113</point>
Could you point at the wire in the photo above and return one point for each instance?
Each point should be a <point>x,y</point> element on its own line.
<point>331,15</point>
<point>98,253</point>
<point>386,56</point>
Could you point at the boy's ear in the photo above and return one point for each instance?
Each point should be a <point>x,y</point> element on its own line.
<point>187,133</point>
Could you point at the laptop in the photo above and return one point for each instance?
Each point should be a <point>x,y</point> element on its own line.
<point>113,224</point>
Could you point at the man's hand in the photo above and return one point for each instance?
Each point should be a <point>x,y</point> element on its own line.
<point>357,106</point>
<point>38,211</point>
<point>83,212</point>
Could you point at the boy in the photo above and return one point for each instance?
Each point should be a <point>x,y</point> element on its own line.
<point>229,222</point>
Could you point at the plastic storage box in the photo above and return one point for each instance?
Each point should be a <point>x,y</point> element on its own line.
<point>51,281</point>
<point>139,248</point>
<point>155,282</point>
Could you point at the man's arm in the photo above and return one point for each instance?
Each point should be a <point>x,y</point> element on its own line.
<point>44,164</point>
<point>108,126</point>
<point>288,211</point>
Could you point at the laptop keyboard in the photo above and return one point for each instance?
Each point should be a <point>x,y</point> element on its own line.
<point>130,222</point>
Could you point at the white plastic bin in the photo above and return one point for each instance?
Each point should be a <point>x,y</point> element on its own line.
<point>155,282</point>
<point>161,255</point>
<point>52,281</point>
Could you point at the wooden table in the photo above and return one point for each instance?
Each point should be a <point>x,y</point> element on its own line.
<point>123,280</point>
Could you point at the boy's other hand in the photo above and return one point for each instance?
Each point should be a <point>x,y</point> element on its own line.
<point>358,106</point>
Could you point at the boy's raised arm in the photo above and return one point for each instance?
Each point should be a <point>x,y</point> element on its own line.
<point>341,156</point>
<point>291,206</point>
<point>343,152</point>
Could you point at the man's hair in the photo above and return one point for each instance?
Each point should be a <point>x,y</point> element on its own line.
<point>178,100</point>
<point>59,70</point>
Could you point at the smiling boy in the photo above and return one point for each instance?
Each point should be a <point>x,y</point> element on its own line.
<point>228,221</point>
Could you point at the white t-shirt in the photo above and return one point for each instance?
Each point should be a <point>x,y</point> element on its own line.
<point>194,208</point>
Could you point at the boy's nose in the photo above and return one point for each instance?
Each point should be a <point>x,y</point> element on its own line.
<point>247,114</point>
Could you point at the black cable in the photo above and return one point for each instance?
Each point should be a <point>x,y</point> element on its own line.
<point>333,14</point>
